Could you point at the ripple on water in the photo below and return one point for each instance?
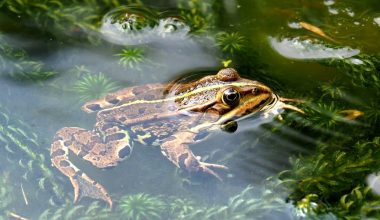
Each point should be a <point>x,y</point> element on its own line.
<point>133,25</point>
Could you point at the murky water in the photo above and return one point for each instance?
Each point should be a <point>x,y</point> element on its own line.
<point>56,56</point>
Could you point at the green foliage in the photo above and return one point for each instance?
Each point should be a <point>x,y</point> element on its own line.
<point>6,193</point>
<point>21,148</point>
<point>80,212</point>
<point>93,86</point>
<point>132,57</point>
<point>198,14</point>
<point>248,204</point>
<point>16,64</point>
<point>230,42</point>
<point>141,206</point>
<point>363,70</point>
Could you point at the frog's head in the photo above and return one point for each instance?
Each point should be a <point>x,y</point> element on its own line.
<point>226,98</point>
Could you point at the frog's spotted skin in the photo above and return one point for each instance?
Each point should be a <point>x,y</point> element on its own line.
<point>171,116</point>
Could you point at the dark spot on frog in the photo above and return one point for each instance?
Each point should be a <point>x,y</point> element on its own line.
<point>122,118</point>
<point>57,153</point>
<point>114,137</point>
<point>67,143</point>
<point>142,110</point>
<point>158,105</point>
<point>139,89</point>
<point>103,153</point>
<point>124,152</point>
<point>113,101</point>
<point>94,107</point>
<point>107,126</point>
<point>64,163</point>
<point>149,97</point>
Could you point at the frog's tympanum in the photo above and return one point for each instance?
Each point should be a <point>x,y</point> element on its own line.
<point>168,116</point>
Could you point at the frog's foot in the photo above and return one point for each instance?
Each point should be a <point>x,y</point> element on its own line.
<point>84,186</point>
<point>88,145</point>
<point>178,152</point>
<point>205,168</point>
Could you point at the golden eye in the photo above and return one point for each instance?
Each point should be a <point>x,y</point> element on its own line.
<point>231,97</point>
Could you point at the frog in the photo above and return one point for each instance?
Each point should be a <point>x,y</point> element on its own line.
<point>170,116</point>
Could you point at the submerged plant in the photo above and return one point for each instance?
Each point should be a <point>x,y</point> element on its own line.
<point>80,212</point>
<point>230,42</point>
<point>21,147</point>
<point>141,206</point>
<point>132,57</point>
<point>16,64</point>
<point>94,86</point>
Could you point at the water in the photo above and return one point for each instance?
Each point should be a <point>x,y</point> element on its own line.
<point>55,57</point>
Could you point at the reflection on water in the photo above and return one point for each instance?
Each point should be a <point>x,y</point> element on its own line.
<point>306,49</point>
<point>131,25</point>
<point>55,56</point>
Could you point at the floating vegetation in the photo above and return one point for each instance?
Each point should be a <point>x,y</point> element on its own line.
<point>230,42</point>
<point>93,86</point>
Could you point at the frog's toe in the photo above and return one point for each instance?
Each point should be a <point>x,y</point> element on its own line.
<point>217,166</point>
<point>84,186</point>
<point>205,167</point>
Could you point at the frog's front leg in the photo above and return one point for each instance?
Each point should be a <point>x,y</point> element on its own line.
<point>176,149</point>
<point>102,150</point>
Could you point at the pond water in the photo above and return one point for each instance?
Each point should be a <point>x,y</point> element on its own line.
<point>57,55</point>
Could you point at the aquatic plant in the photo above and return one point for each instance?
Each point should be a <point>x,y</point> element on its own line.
<point>141,206</point>
<point>250,203</point>
<point>132,57</point>
<point>21,147</point>
<point>198,14</point>
<point>16,64</point>
<point>93,86</point>
<point>80,212</point>
<point>6,193</point>
<point>230,42</point>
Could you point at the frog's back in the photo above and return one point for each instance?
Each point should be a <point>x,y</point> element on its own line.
<point>127,95</point>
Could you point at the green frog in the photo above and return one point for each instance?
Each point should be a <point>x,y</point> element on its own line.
<point>171,116</point>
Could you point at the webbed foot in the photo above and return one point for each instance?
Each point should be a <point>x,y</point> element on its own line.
<point>84,186</point>
<point>205,168</point>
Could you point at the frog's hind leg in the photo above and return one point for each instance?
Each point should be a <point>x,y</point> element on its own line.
<point>91,147</point>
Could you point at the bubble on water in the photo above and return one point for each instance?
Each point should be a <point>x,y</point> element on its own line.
<point>333,11</point>
<point>329,2</point>
<point>377,21</point>
<point>172,26</point>
<point>131,25</point>
<point>295,48</point>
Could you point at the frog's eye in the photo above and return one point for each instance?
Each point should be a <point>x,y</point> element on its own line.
<point>231,97</point>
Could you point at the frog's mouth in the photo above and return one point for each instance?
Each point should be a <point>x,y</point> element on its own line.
<point>268,109</point>
<point>263,106</point>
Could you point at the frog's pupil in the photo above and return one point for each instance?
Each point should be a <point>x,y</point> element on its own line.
<point>231,96</point>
